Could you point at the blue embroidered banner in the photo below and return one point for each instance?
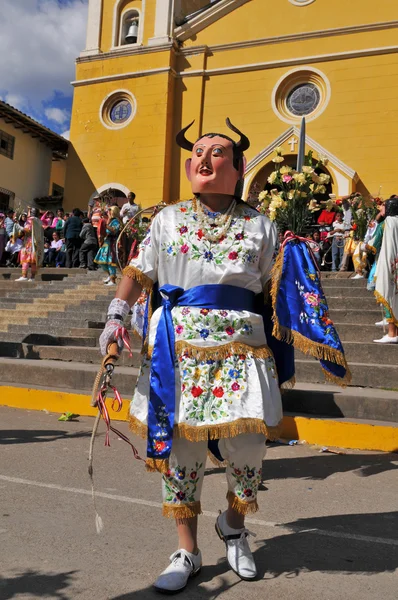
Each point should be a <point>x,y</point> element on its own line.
<point>301,313</point>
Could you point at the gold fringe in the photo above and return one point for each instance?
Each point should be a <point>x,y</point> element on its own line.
<point>159,465</point>
<point>182,511</point>
<point>342,382</point>
<point>243,508</point>
<point>215,461</point>
<point>383,301</point>
<point>134,273</point>
<point>371,249</point>
<point>289,384</point>
<point>219,352</point>
<point>315,349</point>
<point>203,433</point>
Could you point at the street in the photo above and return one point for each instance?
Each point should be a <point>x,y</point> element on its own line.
<point>327,526</point>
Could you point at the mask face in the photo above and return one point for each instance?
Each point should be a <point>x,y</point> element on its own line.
<point>211,169</point>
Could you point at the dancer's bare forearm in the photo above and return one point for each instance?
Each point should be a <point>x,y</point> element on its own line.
<point>129,290</point>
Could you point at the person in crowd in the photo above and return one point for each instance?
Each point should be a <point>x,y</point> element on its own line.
<point>386,276</point>
<point>23,219</point>
<point>337,235</point>
<point>54,249</point>
<point>314,243</point>
<point>3,235</point>
<point>47,220</point>
<point>59,222</point>
<point>89,246</point>
<point>106,255</point>
<point>13,248</point>
<point>129,209</point>
<point>33,246</point>
<point>72,229</point>
<point>9,222</point>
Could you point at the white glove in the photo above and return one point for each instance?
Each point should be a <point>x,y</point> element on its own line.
<point>117,312</point>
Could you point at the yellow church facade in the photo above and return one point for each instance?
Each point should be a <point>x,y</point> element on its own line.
<point>152,66</point>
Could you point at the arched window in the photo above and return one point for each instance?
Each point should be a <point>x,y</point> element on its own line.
<point>129,30</point>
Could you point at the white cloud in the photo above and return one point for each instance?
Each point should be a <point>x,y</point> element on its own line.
<point>66,134</point>
<point>39,42</point>
<point>57,115</point>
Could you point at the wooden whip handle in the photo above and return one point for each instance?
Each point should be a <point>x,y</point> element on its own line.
<point>113,352</point>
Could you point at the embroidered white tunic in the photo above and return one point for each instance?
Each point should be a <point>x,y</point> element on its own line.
<point>226,381</point>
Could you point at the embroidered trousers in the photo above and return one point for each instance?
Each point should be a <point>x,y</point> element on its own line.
<point>182,484</point>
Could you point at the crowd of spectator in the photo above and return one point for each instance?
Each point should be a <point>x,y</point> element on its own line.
<point>70,239</point>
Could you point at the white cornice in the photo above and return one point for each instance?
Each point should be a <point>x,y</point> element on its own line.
<point>206,18</point>
<point>291,62</point>
<point>293,37</point>
<point>125,51</point>
<point>288,62</point>
<point>295,131</point>
<point>123,76</point>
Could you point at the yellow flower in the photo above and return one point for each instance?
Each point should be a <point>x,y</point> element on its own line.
<point>323,178</point>
<point>303,195</point>
<point>196,375</point>
<point>323,159</point>
<point>299,177</point>
<point>278,159</point>
<point>291,195</point>
<point>262,196</point>
<point>320,189</point>
<point>285,170</point>
<point>272,177</point>
<point>272,215</point>
<point>279,150</point>
<point>307,169</point>
<point>315,178</point>
<point>217,374</point>
<point>313,205</point>
<point>312,187</point>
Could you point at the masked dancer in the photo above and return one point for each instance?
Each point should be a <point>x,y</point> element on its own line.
<point>212,374</point>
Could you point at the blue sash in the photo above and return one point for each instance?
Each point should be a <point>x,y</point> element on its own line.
<point>161,409</point>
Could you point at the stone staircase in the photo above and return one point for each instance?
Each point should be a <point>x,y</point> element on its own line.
<point>49,334</point>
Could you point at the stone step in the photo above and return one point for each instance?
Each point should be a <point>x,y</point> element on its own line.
<point>355,315</point>
<point>80,354</point>
<point>358,303</point>
<point>62,375</point>
<point>359,352</point>
<point>12,346</point>
<point>369,375</point>
<point>343,283</point>
<point>358,332</point>
<point>351,402</point>
<point>347,292</point>
<point>12,273</point>
<point>52,327</point>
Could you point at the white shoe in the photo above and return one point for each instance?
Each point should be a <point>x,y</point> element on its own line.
<point>358,276</point>
<point>22,279</point>
<point>382,323</point>
<point>175,578</point>
<point>110,283</point>
<point>106,280</point>
<point>239,555</point>
<point>386,339</point>
<point>30,279</point>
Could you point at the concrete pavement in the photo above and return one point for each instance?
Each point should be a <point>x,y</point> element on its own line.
<point>327,528</point>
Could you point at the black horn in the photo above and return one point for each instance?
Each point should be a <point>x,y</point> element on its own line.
<point>244,142</point>
<point>182,140</point>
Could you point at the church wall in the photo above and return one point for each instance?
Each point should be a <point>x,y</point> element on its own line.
<point>266,18</point>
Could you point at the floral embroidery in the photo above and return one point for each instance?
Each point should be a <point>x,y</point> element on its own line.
<point>247,482</point>
<point>218,384</point>
<point>181,484</point>
<point>219,324</point>
<point>191,240</point>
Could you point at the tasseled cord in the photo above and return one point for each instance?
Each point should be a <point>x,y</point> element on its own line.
<point>98,400</point>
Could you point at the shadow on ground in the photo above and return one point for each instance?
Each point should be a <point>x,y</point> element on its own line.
<point>36,585</point>
<point>335,544</point>
<point>27,436</point>
<point>323,465</point>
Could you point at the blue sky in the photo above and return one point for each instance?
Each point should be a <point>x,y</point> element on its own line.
<point>39,42</point>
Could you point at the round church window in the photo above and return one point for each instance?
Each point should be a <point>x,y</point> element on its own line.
<point>303,99</point>
<point>118,109</point>
<point>120,112</point>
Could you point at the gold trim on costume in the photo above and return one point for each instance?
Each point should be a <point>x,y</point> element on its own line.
<point>182,511</point>
<point>243,508</point>
<point>218,463</point>
<point>134,273</point>
<point>300,342</point>
<point>203,433</point>
<point>159,465</point>
<point>219,352</point>
<point>383,301</point>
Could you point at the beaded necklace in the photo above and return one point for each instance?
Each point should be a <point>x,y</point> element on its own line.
<point>221,222</point>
